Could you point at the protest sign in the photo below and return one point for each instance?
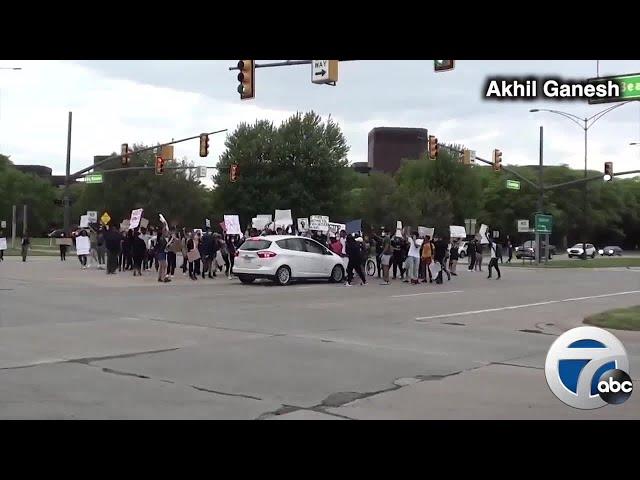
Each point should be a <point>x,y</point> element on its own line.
<point>134,221</point>
<point>93,216</point>
<point>83,245</point>
<point>260,223</point>
<point>303,224</point>
<point>424,231</point>
<point>483,234</point>
<point>232,224</point>
<point>354,226</point>
<point>336,228</point>
<point>283,218</point>
<point>319,223</point>
<point>398,228</point>
<point>124,226</point>
<point>457,231</point>
<point>144,223</point>
<point>207,223</point>
<point>84,221</point>
<point>3,243</point>
<point>223,227</point>
<point>164,221</point>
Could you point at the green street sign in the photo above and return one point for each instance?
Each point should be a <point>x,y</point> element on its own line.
<point>629,88</point>
<point>93,178</point>
<point>513,184</point>
<point>543,223</point>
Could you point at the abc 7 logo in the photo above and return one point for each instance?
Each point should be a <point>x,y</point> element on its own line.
<point>586,368</point>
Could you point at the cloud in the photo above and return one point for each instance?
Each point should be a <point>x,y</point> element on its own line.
<point>114,102</point>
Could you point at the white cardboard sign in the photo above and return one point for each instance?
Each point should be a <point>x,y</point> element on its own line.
<point>134,221</point>
<point>3,243</point>
<point>303,224</point>
<point>83,246</point>
<point>283,218</point>
<point>457,231</point>
<point>232,224</point>
<point>84,221</point>
<point>319,223</point>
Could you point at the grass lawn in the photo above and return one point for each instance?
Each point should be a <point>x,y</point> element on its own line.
<point>39,247</point>
<point>577,263</point>
<point>619,319</point>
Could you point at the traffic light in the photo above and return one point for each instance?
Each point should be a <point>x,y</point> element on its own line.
<point>469,157</point>
<point>443,65</point>
<point>159,165</point>
<point>124,154</point>
<point>233,172</point>
<point>204,145</point>
<point>246,77</point>
<point>433,147</point>
<point>497,160</point>
<point>608,171</point>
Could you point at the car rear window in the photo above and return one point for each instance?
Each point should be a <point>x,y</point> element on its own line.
<point>255,244</point>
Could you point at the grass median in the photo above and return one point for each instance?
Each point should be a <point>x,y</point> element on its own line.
<point>618,319</point>
<point>577,263</point>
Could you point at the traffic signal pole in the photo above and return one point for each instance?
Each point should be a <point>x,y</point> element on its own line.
<point>80,173</point>
<point>66,200</point>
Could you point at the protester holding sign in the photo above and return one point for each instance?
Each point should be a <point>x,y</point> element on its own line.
<point>355,262</point>
<point>138,252</point>
<point>83,247</point>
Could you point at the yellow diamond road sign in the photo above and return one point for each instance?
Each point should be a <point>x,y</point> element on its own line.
<point>105,218</point>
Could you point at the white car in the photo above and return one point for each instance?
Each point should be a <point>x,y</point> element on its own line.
<point>576,250</point>
<point>283,258</point>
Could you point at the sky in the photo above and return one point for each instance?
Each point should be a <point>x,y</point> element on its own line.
<point>115,102</point>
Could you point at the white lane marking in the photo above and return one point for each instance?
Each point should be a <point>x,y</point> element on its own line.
<point>514,307</point>
<point>426,293</point>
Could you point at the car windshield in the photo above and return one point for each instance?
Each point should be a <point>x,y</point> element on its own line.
<point>255,244</point>
<point>577,245</point>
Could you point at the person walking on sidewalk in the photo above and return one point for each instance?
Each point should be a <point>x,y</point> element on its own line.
<point>25,244</point>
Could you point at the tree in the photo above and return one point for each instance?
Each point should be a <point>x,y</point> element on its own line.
<point>26,189</point>
<point>300,165</point>
<point>177,194</point>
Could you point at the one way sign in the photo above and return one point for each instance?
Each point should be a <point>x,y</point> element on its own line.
<point>324,71</point>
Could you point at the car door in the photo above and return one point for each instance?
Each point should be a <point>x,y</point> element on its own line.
<point>590,249</point>
<point>321,263</point>
<point>298,259</point>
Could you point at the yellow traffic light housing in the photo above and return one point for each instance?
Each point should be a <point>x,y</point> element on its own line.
<point>433,147</point>
<point>443,65</point>
<point>204,145</point>
<point>159,165</point>
<point>233,172</point>
<point>246,77</point>
<point>608,171</point>
<point>497,160</point>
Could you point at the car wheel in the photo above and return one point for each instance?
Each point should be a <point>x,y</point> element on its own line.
<point>247,279</point>
<point>283,276</point>
<point>337,274</point>
<point>570,256</point>
<point>593,255</point>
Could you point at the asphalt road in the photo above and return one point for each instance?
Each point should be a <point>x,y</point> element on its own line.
<point>80,344</point>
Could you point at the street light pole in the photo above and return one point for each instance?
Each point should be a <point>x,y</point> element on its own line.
<point>585,124</point>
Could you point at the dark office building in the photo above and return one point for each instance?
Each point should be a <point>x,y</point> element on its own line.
<point>388,146</point>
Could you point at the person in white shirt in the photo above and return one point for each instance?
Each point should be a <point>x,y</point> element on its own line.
<point>413,258</point>
<point>494,256</point>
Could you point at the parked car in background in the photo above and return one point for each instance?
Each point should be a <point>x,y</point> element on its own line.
<point>610,251</point>
<point>283,258</point>
<point>528,250</point>
<point>577,250</point>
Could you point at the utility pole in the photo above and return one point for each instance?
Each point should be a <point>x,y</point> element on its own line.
<point>24,220</point>
<point>540,198</point>
<point>66,200</point>
<point>13,228</point>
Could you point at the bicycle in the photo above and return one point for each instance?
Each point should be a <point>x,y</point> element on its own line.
<point>370,266</point>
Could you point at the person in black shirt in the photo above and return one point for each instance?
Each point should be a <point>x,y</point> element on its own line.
<point>25,244</point>
<point>138,251</point>
<point>355,262</point>
<point>397,259</point>
<point>439,256</point>
<point>454,256</point>
<point>112,240</point>
<point>161,255</point>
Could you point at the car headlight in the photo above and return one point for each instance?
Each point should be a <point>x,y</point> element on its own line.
<point>611,252</point>
<point>601,252</point>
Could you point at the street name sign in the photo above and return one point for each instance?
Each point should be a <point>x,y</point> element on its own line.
<point>629,88</point>
<point>93,178</point>
<point>513,184</point>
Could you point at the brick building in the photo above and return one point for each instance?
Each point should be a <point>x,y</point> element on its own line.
<point>388,146</point>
